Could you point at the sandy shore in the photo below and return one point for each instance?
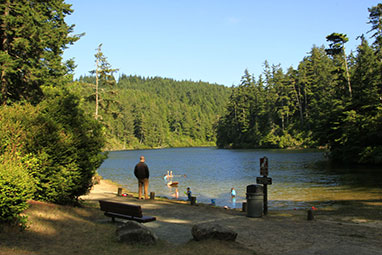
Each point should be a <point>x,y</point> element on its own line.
<point>333,231</point>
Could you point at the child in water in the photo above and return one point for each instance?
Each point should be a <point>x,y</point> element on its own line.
<point>233,197</point>
<point>189,194</point>
<point>233,193</point>
<point>176,193</point>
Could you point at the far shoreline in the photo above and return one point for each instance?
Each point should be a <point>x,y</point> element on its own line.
<point>220,148</point>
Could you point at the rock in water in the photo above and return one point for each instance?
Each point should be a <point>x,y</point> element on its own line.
<point>133,232</point>
<point>212,230</point>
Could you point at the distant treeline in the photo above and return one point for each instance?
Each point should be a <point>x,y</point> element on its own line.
<point>332,99</point>
<point>140,112</point>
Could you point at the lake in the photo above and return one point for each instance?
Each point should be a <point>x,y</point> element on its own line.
<point>300,178</point>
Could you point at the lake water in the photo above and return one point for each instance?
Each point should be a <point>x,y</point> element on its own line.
<point>300,178</point>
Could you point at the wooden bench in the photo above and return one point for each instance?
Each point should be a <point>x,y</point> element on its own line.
<point>124,211</point>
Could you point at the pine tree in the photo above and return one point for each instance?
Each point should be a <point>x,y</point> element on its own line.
<point>315,90</point>
<point>337,48</point>
<point>375,14</point>
<point>103,75</point>
<point>33,36</point>
<point>364,136</point>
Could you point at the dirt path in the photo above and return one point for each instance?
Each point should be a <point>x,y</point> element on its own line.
<point>280,232</point>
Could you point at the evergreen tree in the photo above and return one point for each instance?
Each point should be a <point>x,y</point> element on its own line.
<point>375,14</point>
<point>103,76</point>
<point>315,91</point>
<point>337,48</point>
<point>362,139</point>
<point>33,36</point>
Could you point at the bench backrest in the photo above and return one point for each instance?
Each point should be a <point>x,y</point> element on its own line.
<point>121,208</point>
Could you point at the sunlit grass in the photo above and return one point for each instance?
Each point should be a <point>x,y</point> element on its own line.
<point>55,229</point>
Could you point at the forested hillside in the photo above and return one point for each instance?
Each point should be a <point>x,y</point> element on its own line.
<point>155,112</point>
<point>332,99</point>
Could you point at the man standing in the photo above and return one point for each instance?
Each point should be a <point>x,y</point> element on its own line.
<point>141,171</point>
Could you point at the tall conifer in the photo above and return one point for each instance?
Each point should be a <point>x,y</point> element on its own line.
<point>33,36</point>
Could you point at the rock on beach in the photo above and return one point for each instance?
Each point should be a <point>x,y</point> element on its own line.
<point>212,231</point>
<point>133,232</point>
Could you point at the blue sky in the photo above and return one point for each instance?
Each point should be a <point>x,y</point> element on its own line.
<point>208,40</point>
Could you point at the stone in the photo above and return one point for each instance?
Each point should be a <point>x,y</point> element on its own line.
<point>212,231</point>
<point>133,232</point>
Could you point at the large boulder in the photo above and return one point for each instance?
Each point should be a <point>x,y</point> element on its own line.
<point>133,232</point>
<point>212,231</point>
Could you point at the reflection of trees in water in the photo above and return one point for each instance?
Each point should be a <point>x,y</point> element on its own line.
<point>354,176</point>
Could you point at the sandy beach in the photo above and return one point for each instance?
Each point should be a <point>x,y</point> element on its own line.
<point>333,231</point>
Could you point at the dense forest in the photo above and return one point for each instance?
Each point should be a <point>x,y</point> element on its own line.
<point>333,99</point>
<point>154,112</point>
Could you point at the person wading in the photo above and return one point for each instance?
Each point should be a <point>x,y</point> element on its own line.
<point>141,171</point>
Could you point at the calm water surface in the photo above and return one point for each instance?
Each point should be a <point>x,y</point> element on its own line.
<point>300,178</point>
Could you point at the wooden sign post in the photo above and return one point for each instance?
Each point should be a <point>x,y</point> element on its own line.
<point>265,180</point>
<point>264,166</point>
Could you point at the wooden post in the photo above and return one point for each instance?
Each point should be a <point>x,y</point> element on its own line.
<point>119,192</point>
<point>265,181</point>
<point>265,209</point>
<point>152,195</point>
<point>310,214</point>
<point>244,207</point>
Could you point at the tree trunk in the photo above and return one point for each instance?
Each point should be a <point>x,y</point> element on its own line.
<point>5,46</point>
<point>347,73</point>
<point>298,95</point>
<point>96,94</point>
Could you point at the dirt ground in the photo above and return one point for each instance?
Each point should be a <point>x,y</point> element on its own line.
<point>334,230</point>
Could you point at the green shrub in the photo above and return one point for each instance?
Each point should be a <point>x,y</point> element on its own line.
<point>16,184</point>
<point>68,143</point>
<point>58,144</point>
<point>16,188</point>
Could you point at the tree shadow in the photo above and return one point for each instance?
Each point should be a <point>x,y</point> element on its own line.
<point>56,229</point>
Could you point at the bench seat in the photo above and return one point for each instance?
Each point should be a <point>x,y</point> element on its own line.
<point>124,211</point>
<point>142,219</point>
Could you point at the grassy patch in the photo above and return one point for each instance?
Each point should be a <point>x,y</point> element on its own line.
<point>55,229</point>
